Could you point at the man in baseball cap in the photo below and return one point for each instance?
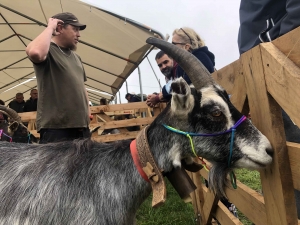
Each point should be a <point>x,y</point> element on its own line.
<point>60,79</point>
<point>69,18</point>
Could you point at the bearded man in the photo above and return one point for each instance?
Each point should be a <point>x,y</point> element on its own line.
<point>168,68</point>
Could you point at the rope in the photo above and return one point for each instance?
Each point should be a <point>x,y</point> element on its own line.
<point>232,130</point>
<point>1,132</point>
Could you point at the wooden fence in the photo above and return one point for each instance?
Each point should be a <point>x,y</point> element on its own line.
<point>121,117</point>
<point>264,80</point>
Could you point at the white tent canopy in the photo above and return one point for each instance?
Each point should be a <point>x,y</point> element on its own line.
<point>111,46</point>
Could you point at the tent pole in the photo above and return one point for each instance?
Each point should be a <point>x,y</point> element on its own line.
<point>140,80</point>
<point>154,73</point>
<point>126,87</point>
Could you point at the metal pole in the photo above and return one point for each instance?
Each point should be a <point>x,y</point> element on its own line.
<point>154,73</point>
<point>116,99</point>
<point>140,80</point>
<point>120,97</point>
<point>126,87</point>
<point>143,114</point>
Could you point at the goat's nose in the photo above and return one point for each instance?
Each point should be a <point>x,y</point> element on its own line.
<point>270,151</point>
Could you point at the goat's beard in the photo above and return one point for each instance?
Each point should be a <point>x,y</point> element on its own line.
<point>217,178</point>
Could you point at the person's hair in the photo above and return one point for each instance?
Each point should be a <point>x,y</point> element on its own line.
<point>34,89</point>
<point>189,36</point>
<point>161,54</point>
<point>2,102</point>
<point>19,94</point>
<point>128,94</point>
<point>103,101</point>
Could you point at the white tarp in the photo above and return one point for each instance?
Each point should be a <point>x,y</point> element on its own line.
<point>111,46</point>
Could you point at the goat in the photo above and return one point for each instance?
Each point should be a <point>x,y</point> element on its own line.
<point>86,182</point>
<point>15,129</point>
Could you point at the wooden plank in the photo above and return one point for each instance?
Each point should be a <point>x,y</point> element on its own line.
<point>239,94</point>
<point>106,118</point>
<point>276,179</point>
<point>118,107</point>
<point>283,80</point>
<point>124,123</point>
<point>294,156</point>
<point>116,137</point>
<point>227,76</point>
<point>224,216</point>
<point>31,125</point>
<point>121,112</point>
<point>209,207</point>
<point>25,117</point>
<point>289,44</point>
<point>199,196</point>
<point>195,202</point>
<point>247,201</point>
<point>231,78</point>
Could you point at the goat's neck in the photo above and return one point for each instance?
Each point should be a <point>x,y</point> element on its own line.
<point>167,148</point>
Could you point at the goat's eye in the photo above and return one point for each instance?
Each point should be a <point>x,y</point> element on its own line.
<point>216,113</point>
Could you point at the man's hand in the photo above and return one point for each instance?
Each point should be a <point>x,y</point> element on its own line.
<point>53,23</point>
<point>152,100</point>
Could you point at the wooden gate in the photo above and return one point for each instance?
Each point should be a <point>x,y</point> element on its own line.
<point>264,80</point>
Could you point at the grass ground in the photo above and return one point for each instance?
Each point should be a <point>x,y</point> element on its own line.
<point>176,212</point>
<point>173,212</point>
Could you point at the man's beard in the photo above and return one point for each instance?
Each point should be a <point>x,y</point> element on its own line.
<point>73,48</point>
<point>167,72</point>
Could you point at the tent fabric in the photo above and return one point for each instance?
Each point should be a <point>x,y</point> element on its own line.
<point>111,46</point>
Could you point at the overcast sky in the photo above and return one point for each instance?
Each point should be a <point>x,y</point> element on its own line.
<point>216,21</point>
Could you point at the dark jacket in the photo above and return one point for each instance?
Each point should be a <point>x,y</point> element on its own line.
<point>18,107</point>
<point>205,56</point>
<point>135,98</point>
<point>30,105</point>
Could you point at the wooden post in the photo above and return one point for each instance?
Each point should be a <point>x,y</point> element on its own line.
<point>266,115</point>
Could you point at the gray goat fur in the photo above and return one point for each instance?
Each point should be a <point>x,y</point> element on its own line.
<point>83,182</point>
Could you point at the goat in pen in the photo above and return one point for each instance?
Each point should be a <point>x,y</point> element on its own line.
<point>85,182</point>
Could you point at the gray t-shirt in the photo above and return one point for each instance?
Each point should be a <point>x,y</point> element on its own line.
<point>62,95</point>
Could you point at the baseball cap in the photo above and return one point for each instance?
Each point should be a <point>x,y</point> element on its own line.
<point>69,18</point>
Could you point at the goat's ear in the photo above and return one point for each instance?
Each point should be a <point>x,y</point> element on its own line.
<point>13,126</point>
<point>182,101</point>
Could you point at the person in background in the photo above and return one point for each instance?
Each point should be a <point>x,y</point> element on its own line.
<point>133,97</point>
<point>18,103</point>
<point>60,77</point>
<point>31,103</point>
<point>187,39</point>
<point>103,101</point>
<point>168,68</point>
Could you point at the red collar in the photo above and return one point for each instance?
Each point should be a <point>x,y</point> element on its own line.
<point>136,160</point>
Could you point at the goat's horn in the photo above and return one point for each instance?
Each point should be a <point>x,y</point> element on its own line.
<point>11,113</point>
<point>198,74</point>
<point>1,111</point>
